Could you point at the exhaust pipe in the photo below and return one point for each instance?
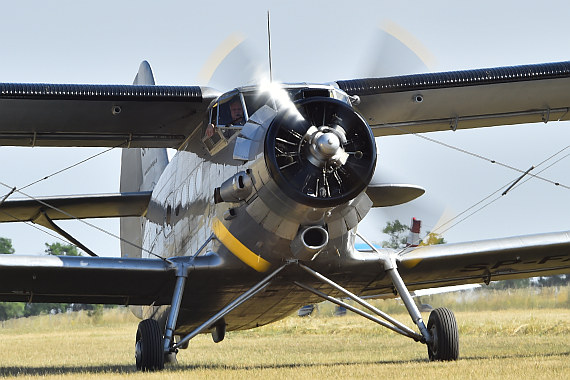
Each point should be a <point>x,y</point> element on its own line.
<point>308,242</point>
<point>235,189</point>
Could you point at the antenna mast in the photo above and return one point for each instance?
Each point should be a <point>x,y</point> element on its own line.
<point>269,44</point>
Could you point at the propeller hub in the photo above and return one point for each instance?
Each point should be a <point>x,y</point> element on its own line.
<point>325,147</point>
<point>327,144</point>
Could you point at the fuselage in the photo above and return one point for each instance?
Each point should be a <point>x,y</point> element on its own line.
<point>237,193</point>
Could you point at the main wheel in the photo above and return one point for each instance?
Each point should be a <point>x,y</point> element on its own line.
<point>149,346</point>
<point>445,338</point>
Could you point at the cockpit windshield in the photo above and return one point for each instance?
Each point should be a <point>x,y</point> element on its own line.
<point>231,112</point>
<point>228,111</point>
<point>228,115</point>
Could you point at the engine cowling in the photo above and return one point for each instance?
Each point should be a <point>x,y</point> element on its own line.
<point>320,152</point>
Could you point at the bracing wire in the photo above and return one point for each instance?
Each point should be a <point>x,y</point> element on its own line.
<point>71,166</point>
<point>84,222</point>
<point>509,186</point>
<point>14,189</point>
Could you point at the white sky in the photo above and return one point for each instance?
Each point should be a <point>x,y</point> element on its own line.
<point>103,42</point>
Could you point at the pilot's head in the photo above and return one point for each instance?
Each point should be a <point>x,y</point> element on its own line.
<point>236,111</point>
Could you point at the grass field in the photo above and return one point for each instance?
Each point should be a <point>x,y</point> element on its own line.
<point>514,343</point>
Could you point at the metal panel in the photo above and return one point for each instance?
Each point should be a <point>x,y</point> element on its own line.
<point>100,115</point>
<point>463,99</point>
<point>76,206</point>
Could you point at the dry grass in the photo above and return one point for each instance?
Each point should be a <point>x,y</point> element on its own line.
<point>512,344</point>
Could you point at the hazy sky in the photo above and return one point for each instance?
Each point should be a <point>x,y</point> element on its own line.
<point>103,42</point>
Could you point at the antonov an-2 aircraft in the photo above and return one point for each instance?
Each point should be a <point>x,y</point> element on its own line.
<point>257,213</point>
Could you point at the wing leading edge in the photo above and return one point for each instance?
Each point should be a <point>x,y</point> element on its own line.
<point>463,99</point>
<point>76,207</point>
<point>135,116</point>
<point>482,261</point>
<point>123,281</point>
<point>151,281</point>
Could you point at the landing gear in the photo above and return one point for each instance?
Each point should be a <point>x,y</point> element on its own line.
<point>445,338</point>
<point>149,344</point>
<point>440,335</point>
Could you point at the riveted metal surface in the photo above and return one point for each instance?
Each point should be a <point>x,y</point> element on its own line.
<point>370,86</point>
<point>99,92</point>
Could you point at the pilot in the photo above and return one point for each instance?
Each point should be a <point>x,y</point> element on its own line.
<point>236,113</point>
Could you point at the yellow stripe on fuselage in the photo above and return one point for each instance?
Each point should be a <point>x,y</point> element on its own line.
<point>238,249</point>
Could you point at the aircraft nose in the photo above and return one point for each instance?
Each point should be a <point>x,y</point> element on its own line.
<point>320,166</point>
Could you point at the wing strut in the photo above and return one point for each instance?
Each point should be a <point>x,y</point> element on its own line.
<point>46,221</point>
<point>228,308</point>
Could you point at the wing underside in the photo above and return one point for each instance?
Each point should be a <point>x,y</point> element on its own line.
<point>114,280</point>
<point>100,115</point>
<point>75,207</point>
<point>463,99</point>
<point>211,285</point>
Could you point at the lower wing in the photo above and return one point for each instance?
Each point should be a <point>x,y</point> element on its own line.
<point>481,262</point>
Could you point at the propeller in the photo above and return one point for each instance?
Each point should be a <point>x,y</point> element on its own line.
<point>394,51</point>
<point>234,63</point>
<point>299,155</point>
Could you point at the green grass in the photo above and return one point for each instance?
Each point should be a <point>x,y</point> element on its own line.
<point>515,343</point>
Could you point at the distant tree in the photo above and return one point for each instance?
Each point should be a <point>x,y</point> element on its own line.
<point>44,308</point>
<point>510,284</point>
<point>432,239</point>
<point>9,310</point>
<point>557,280</point>
<point>397,232</point>
<point>58,249</point>
<point>6,246</point>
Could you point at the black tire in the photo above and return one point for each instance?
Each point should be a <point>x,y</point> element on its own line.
<point>445,338</point>
<point>149,346</point>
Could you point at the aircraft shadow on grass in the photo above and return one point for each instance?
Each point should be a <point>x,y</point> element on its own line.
<point>51,370</point>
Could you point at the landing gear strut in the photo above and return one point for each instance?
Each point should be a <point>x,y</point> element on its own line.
<point>440,336</point>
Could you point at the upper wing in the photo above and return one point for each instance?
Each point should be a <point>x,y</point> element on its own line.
<point>463,99</point>
<point>100,115</point>
<point>481,261</point>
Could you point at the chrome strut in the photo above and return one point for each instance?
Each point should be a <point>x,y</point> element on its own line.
<point>394,325</point>
<point>390,266</point>
<point>181,276</point>
<point>229,307</point>
<point>406,332</point>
